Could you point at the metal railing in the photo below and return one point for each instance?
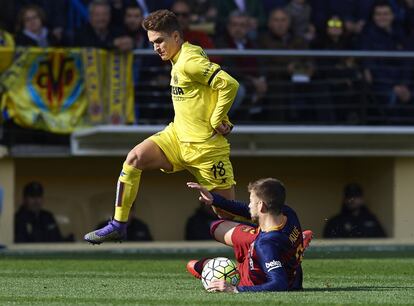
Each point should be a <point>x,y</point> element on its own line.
<point>315,87</point>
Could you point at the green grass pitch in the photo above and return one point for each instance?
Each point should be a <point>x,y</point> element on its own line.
<point>163,280</point>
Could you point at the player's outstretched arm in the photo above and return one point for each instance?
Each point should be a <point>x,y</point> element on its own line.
<point>210,198</point>
<point>205,196</point>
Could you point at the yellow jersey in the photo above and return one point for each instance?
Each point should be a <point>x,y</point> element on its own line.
<point>202,94</point>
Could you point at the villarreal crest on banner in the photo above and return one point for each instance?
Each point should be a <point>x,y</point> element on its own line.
<point>44,89</point>
<point>58,90</point>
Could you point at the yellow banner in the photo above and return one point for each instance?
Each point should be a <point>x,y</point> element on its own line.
<point>94,76</point>
<point>59,90</point>
<point>44,89</point>
<point>121,95</point>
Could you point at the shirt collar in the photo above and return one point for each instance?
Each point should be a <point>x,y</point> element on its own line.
<point>276,228</point>
<point>175,57</point>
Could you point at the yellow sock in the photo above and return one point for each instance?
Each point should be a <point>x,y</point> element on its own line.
<point>126,191</point>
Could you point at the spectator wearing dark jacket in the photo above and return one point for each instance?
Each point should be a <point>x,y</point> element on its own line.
<point>341,73</point>
<point>99,33</point>
<point>31,29</point>
<point>355,219</point>
<point>32,222</point>
<point>291,87</point>
<point>355,13</point>
<point>133,18</point>
<point>246,70</point>
<point>55,12</point>
<point>389,78</point>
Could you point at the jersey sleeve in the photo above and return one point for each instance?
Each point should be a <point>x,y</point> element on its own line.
<point>199,68</point>
<point>271,265</point>
<point>234,207</point>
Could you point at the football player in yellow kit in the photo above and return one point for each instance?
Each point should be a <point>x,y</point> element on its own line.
<point>202,94</point>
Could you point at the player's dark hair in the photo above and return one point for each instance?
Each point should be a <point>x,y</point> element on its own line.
<point>271,191</point>
<point>162,21</point>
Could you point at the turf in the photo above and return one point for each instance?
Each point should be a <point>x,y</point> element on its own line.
<point>162,280</point>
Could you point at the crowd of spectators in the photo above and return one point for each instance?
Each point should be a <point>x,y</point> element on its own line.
<point>297,90</point>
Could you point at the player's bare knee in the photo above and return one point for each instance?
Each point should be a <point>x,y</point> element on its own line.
<point>222,231</point>
<point>213,227</point>
<point>136,159</point>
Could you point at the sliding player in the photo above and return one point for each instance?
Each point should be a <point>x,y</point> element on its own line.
<point>202,95</point>
<point>268,255</point>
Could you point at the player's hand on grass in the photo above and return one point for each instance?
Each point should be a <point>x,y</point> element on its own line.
<point>221,286</point>
<point>205,196</point>
<point>224,128</point>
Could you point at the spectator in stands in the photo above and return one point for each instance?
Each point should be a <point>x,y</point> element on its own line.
<point>137,230</point>
<point>32,222</point>
<point>31,30</point>
<point>389,78</point>
<point>355,13</point>
<point>246,70</point>
<point>355,219</point>
<point>251,8</point>
<point>98,33</point>
<point>203,11</point>
<point>300,13</point>
<point>198,224</point>
<point>333,37</point>
<point>403,11</point>
<point>279,36</point>
<point>286,76</point>
<point>132,22</point>
<point>55,12</point>
<point>182,10</point>
<point>341,73</point>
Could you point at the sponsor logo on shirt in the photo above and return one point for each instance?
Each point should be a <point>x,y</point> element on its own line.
<point>274,264</point>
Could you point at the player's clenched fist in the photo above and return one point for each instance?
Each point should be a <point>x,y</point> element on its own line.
<point>224,129</point>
